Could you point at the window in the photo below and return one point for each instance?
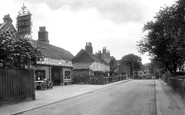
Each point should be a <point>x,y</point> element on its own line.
<point>67,75</point>
<point>40,75</point>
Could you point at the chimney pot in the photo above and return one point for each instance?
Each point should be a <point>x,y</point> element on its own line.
<point>89,47</point>
<point>7,18</point>
<point>43,34</point>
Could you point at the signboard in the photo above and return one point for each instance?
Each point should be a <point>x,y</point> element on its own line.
<point>56,62</point>
<point>24,24</point>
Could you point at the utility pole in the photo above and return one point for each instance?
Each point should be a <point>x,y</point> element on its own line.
<point>132,69</point>
<point>154,72</point>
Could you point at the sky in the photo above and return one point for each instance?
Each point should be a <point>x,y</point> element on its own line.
<point>114,24</point>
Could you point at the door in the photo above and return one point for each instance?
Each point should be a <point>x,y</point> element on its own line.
<point>56,75</point>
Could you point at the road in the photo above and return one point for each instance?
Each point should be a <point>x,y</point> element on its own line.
<point>136,97</point>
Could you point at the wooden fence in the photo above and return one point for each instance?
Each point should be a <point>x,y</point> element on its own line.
<point>98,79</point>
<point>114,78</point>
<point>16,85</point>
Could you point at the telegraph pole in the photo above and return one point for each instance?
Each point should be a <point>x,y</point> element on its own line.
<point>154,71</point>
<point>132,69</point>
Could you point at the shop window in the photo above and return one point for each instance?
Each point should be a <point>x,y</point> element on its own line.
<point>67,75</point>
<point>40,75</point>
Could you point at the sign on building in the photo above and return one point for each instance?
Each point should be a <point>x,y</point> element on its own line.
<point>57,62</point>
<point>24,24</point>
<point>24,21</point>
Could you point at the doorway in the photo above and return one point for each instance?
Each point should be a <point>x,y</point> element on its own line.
<point>56,75</point>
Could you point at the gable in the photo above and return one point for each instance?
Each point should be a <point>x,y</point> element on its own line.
<point>7,26</point>
<point>82,57</point>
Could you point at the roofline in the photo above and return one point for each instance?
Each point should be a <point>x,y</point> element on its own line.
<point>52,65</point>
<point>2,25</point>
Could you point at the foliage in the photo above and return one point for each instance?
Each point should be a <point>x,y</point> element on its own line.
<point>113,66</point>
<point>165,38</point>
<point>150,66</point>
<point>132,60</point>
<point>18,52</point>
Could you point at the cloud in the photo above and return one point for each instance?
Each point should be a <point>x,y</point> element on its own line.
<point>116,24</point>
<point>76,28</point>
<point>117,11</point>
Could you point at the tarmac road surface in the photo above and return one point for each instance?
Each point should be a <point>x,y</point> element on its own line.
<point>136,97</point>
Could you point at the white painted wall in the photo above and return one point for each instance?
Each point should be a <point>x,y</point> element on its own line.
<point>56,62</point>
<point>97,66</point>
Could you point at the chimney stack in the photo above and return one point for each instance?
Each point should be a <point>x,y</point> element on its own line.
<point>43,35</point>
<point>89,47</point>
<point>99,54</point>
<point>7,18</point>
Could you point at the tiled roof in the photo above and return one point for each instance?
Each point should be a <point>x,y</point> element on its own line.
<point>103,61</point>
<point>7,26</point>
<point>81,65</point>
<point>53,51</point>
<point>94,57</point>
<point>1,25</point>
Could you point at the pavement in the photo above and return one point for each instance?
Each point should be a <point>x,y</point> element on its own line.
<point>167,102</point>
<point>51,96</point>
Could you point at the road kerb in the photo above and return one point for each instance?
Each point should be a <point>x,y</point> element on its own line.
<point>157,98</point>
<point>167,101</point>
<point>36,107</point>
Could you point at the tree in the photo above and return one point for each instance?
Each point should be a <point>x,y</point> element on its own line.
<point>151,67</point>
<point>133,61</point>
<point>165,40</point>
<point>113,66</point>
<point>6,47</point>
<point>18,52</point>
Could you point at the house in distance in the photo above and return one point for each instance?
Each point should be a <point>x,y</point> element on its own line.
<point>87,66</point>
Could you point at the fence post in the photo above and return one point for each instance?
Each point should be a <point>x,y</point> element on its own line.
<point>183,85</point>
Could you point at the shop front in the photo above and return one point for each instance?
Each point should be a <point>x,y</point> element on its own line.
<point>53,70</point>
